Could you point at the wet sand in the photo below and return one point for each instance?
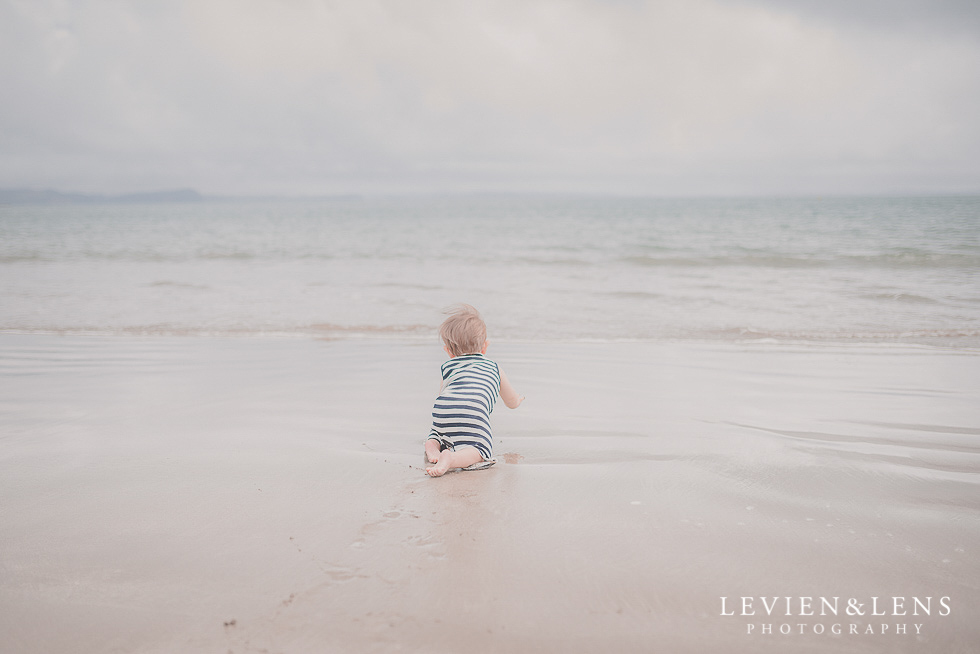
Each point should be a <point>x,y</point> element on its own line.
<point>263,495</point>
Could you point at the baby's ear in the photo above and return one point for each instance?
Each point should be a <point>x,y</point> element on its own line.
<point>485,344</point>
<point>448,351</point>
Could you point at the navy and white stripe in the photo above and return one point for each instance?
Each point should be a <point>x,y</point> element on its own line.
<point>461,413</point>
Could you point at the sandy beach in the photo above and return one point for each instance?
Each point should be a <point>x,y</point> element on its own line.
<point>268,495</point>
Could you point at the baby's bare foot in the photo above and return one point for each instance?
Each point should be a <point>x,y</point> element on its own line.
<point>441,465</point>
<point>432,451</point>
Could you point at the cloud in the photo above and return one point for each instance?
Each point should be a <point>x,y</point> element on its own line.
<point>946,18</point>
<point>638,97</point>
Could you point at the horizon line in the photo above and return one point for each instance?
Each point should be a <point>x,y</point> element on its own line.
<point>32,195</point>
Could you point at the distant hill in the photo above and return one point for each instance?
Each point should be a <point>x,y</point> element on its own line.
<point>48,196</point>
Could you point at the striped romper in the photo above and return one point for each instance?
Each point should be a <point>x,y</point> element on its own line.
<point>461,413</point>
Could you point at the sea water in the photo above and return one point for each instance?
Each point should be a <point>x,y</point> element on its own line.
<point>551,268</point>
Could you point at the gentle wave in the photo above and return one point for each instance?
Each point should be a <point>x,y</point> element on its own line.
<point>909,298</point>
<point>960,338</point>
<point>914,335</point>
<point>632,295</point>
<point>599,258</point>
<point>885,261</point>
<point>316,330</point>
<point>327,328</point>
<point>167,283</point>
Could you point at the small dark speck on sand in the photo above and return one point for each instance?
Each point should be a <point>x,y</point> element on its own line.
<point>230,623</point>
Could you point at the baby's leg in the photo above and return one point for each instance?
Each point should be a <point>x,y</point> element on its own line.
<point>432,449</point>
<point>448,459</point>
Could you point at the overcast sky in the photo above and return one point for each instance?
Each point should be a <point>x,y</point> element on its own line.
<point>624,96</point>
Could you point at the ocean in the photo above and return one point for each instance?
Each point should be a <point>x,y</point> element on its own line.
<point>540,268</point>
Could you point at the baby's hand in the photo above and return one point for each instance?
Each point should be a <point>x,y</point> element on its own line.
<point>508,394</point>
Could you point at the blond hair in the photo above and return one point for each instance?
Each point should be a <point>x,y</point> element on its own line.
<point>464,331</point>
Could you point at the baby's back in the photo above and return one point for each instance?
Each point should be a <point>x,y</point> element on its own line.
<point>461,413</point>
<point>472,379</point>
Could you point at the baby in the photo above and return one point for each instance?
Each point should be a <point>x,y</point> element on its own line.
<point>471,383</point>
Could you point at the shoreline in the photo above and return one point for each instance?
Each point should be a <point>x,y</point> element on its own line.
<point>400,336</point>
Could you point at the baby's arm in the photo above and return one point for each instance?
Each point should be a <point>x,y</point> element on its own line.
<point>507,393</point>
